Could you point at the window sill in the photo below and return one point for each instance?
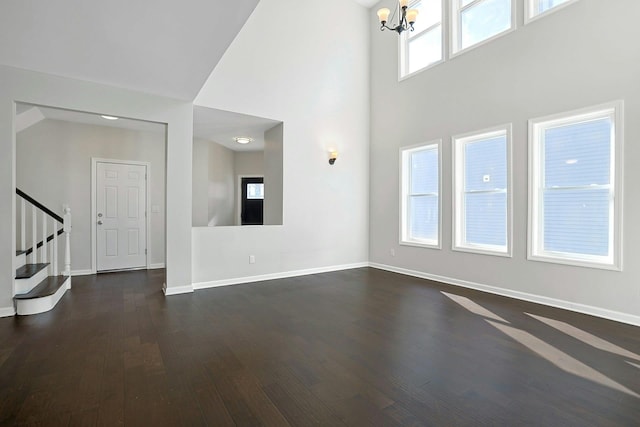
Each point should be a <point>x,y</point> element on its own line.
<point>575,262</point>
<point>529,19</point>
<point>482,251</point>
<point>419,244</point>
<point>455,53</point>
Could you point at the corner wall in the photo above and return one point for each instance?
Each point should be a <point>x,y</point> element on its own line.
<point>580,56</point>
<point>313,76</point>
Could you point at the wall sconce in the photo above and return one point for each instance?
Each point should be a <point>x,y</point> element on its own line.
<point>333,155</point>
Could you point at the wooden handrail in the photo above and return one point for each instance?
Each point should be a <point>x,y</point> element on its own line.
<point>39,205</point>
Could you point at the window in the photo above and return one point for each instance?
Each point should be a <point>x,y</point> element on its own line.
<point>482,211</point>
<point>255,191</point>
<point>535,8</point>
<point>475,21</point>
<point>423,46</point>
<point>420,223</point>
<point>574,188</point>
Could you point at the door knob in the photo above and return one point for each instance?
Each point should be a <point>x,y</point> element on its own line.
<point>99,222</point>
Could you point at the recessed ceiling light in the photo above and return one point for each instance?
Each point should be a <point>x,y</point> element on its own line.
<point>109,117</point>
<point>243,139</point>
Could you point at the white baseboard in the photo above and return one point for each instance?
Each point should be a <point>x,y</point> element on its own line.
<point>156,266</point>
<point>538,299</point>
<point>273,276</point>
<point>7,311</point>
<point>82,272</point>
<point>176,290</point>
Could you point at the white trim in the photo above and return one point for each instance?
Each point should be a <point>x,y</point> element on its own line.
<point>176,290</point>
<point>614,109</point>
<point>457,156</point>
<point>43,304</point>
<point>7,311</point>
<point>156,266</point>
<point>280,275</point>
<point>529,16</point>
<point>453,29</point>
<point>82,272</point>
<point>404,153</point>
<point>239,195</point>
<point>538,299</point>
<point>147,165</point>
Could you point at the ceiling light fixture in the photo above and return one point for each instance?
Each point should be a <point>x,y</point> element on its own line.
<point>407,17</point>
<point>109,117</point>
<point>243,139</point>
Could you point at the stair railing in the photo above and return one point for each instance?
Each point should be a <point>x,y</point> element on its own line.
<point>44,246</point>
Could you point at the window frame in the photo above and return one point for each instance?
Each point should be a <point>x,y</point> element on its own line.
<point>403,44</point>
<point>458,168</point>
<point>405,152</point>
<point>455,12</point>
<point>530,6</point>
<point>535,229</point>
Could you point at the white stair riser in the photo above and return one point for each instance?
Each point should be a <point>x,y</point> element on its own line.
<point>25,285</point>
<point>40,305</point>
<point>21,260</point>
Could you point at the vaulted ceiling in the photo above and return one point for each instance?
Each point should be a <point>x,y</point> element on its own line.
<point>164,47</point>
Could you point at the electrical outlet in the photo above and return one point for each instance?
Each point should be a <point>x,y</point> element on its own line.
<point>393,252</point>
<point>252,259</point>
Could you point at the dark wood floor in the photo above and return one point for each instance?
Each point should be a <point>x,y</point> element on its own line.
<point>360,347</point>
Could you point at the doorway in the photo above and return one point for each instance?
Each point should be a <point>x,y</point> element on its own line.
<point>252,200</point>
<point>120,217</point>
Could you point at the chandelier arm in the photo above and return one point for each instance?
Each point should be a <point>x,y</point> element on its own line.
<point>383,26</point>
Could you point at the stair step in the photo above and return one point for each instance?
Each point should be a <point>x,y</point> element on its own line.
<point>29,270</point>
<point>47,287</point>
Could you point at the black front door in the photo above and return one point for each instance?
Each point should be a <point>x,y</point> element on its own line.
<point>252,202</point>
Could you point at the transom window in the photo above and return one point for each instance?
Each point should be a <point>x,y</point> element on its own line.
<point>420,220</point>
<point>482,192</point>
<point>574,188</point>
<point>474,21</point>
<point>535,8</point>
<point>423,46</point>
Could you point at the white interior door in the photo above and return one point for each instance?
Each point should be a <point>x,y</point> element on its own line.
<point>121,226</point>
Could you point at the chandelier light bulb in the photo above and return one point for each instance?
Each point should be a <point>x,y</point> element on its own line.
<point>412,14</point>
<point>383,14</point>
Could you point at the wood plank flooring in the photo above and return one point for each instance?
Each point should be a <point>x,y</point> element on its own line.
<point>360,347</point>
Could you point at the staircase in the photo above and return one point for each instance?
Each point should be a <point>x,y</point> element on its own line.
<point>38,286</point>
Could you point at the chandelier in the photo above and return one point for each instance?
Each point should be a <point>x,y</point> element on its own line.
<point>407,18</point>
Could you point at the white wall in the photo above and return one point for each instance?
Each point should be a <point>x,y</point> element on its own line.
<point>314,76</point>
<point>200,179</point>
<point>42,89</point>
<point>582,55</point>
<point>54,166</point>
<point>273,151</point>
<point>214,184</point>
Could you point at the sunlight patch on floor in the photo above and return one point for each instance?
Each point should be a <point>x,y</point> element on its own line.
<point>586,337</point>
<point>633,364</point>
<point>474,307</point>
<point>559,358</point>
